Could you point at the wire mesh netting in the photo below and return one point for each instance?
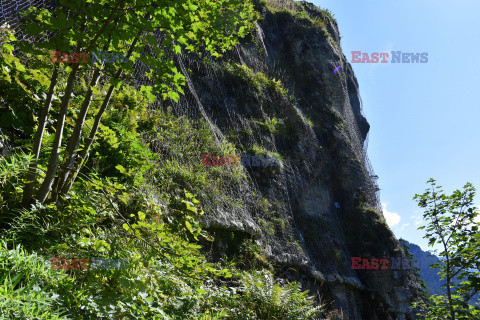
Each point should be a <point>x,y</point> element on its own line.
<point>10,10</point>
<point>237,112</point>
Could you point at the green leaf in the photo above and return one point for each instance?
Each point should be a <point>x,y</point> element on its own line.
<point>19,66</point>
<point>101,245</point>
<point>189,226</point>
<point>121,169</point>
<point>173,95</point>
<point>190,206</point>
<point>116,83</point>
<point>84,242</point>
<point>182,40</point>
<point>59,246</point>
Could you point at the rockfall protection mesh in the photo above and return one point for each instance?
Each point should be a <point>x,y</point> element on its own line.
<point>213,96</point>
<point>10,9</point>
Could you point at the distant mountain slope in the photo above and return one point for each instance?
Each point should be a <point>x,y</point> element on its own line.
<point>424,260</point>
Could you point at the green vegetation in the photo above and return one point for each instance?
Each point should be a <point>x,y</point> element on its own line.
<point>370,227</point>
<point>259,151</point>
<point>185,26</point>
<point>451,223</point>
<point>268,300</point>
<point>310,123</point>
<point>251,257</point>
<point>267,226</point>
<point>271,124</point>
<point>279,224</point>
<point>257,80</point>
<point>272,225</point>
<point>261,297</point>
<point>93,172</point>
<point>28,286</point>
<point>298,12</point>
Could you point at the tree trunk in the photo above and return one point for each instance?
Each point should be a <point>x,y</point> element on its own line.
<point>37,139</point>
<point>54,156</point>
<point>88,144</point>
<point>53,161</point>
<point>74,141</point>
<point>449,292</point>
<point>84,154</point>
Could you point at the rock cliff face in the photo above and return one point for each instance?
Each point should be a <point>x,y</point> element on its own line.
<point>277,93</point>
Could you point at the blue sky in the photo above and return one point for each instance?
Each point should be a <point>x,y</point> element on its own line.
<point>424,117</point>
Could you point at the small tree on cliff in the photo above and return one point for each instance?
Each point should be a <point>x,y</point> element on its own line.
<point>451,223</point>
<point>149,31</point>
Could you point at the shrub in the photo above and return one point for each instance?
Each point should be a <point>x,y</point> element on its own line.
<point>263,298</point>
<point>257,80</point>
<point>12,168</point>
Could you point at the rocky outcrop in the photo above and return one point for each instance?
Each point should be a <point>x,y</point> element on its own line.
<point>277,92</point>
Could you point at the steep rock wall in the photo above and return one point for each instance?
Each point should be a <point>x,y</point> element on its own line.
<point>303,233</point>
